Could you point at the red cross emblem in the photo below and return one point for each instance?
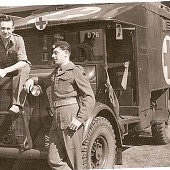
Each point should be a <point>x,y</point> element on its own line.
<point>41,23</point>
<point>166,59</point>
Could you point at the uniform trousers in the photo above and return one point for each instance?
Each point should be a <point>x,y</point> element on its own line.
<point>65,149</point>
<point>19,94</point>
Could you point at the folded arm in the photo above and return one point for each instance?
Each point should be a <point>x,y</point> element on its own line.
<point>12,68</point>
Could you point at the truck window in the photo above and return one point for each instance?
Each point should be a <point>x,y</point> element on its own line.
<point>87,45</point>
<point>119,50</point>
<point>38,48</point>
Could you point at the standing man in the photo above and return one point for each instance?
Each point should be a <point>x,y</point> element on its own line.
<point>13,61</point>
<point>73,101</point>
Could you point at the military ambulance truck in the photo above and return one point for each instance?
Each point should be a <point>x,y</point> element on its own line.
<point>128,67</point>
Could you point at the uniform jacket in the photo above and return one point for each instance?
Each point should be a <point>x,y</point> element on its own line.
<point>72,81</point>
<point>13,52</point>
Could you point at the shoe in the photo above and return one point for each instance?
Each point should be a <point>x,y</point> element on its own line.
<point>15,109</point>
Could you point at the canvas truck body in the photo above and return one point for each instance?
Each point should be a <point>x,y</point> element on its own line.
<point>129,74</point>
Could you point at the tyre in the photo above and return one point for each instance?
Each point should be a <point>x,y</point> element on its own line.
<point>99,148</point>
<point>161,132</point>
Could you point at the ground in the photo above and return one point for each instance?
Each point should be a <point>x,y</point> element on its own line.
<point>138,152</point>
<point>141,152</point>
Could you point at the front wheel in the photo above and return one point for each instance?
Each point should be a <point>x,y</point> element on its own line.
<point>99,148</point>
<point>161,132</point>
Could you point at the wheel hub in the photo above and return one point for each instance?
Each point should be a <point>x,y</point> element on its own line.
<point>97,153</point>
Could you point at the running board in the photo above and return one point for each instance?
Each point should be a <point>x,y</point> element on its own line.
<point>22,154</point>
<point>129,119</point>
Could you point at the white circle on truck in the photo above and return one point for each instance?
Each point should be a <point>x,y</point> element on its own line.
<point>166,58</point>
<point>41,23</point>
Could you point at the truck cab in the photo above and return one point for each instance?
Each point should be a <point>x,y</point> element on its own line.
<point>126,61</point>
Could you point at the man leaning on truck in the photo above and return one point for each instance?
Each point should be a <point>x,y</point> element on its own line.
<point>73,101</point>
<point>13,61</point>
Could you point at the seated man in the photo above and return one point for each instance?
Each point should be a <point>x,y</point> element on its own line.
<point>13,59</point>
<point>85,49</point>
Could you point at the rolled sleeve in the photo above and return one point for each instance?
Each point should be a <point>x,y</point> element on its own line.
<point>86,94</point>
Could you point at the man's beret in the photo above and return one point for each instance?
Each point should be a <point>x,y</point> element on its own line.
<point>61,44</point>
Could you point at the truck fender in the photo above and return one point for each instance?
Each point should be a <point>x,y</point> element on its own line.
<point>97,111</point>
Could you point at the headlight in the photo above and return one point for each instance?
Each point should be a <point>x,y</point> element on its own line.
<point>36,90</point>
<point>91,73</point>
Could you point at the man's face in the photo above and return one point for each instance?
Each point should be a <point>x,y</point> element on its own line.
<point>92,42</point>
<point>6,29</point>
<point>59,56</point>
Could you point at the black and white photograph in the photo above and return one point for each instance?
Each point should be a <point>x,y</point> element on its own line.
<point>84,85</point>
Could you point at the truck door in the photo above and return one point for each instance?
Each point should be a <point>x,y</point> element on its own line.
<point>119,51</point>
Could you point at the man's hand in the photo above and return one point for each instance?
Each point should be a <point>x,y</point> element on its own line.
<point>75,124</point>
<point>2,73</point>
<point>29,85</point>
<point>126,64</point>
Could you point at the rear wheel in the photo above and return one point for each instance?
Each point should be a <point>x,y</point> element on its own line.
<point>161,132</point>
<point>99,148</point>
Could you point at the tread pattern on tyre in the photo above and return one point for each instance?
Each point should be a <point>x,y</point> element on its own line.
<point>96,122</point>
<point>159,134</point>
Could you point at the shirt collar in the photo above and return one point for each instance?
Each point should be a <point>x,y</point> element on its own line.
<point>11,40</point>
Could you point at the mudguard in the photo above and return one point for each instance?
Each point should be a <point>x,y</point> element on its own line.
<point>99,107</point>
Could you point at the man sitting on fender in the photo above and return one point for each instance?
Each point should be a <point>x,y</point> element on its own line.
<point>13,60</point>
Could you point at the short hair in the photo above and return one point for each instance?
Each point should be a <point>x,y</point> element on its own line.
<point>6,18</point>
<point>63,45</point>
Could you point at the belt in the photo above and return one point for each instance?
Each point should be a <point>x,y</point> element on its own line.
<point>64,102</point>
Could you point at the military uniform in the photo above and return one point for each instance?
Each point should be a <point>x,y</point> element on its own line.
<point>72,97</point>
<point>10,54</point>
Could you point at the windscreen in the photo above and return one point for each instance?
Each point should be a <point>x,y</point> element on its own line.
<point>86,45</point>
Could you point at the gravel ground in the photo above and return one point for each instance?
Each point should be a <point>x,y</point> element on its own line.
<point>142,153</point>
<point>138,152</point>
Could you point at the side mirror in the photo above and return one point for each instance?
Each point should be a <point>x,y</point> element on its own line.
<point>36,90</point>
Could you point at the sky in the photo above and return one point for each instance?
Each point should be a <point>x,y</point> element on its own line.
<point>60,2</point>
